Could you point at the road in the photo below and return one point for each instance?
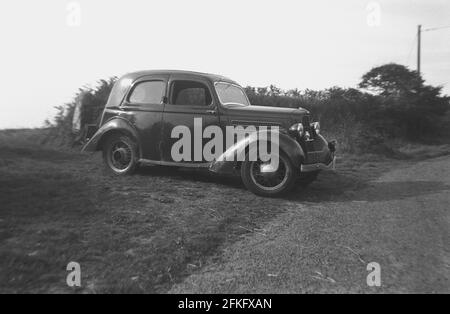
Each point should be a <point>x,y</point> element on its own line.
<point>400,220</point>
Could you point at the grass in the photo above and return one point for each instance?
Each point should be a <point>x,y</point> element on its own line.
<point>130,234</point>
<point>143,233</point>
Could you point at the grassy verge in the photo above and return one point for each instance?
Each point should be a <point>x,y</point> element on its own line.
<point>130,234</point>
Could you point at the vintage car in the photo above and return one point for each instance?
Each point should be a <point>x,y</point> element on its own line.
<point>144,108</point>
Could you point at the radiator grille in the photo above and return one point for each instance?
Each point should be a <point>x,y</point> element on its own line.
<point>305,122</point>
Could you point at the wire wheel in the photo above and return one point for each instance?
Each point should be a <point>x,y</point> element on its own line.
<point>271,180</point>
<point>266,180</point>
<point>119,154</point>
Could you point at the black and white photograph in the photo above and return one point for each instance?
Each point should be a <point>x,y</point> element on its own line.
<point>225,155</point>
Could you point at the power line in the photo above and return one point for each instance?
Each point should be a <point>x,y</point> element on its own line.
<point>435,28</point>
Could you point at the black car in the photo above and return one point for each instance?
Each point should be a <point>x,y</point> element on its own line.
<point>147,112</point>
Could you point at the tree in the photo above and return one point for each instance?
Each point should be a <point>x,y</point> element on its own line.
<point>405,102</point>
<point>250,91</point>
<point>261,91</point>
<point>295,93</point>
<point>392,80</point>
<point>274,91</point>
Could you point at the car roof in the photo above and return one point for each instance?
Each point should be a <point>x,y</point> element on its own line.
<point>213,77</point>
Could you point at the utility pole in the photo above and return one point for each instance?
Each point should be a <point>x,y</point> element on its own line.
<point>419,31</point>
<point>419,34</point>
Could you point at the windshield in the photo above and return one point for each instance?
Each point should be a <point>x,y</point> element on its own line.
<point>231,94</point>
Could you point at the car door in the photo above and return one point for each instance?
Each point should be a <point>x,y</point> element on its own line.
<point>143,107</point>
<point>189,98</point>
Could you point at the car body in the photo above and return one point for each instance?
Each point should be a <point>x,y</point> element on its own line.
<point>144,108</point>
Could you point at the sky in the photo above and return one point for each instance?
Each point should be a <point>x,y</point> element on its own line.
<point>50,48</point>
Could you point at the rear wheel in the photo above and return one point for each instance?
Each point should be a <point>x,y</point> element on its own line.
<point>259,178</point>
<point>120,154</point>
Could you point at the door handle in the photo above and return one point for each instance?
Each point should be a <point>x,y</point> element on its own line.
<point>211,111</point>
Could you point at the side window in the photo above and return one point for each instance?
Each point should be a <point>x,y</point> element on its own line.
<point>150,92</point>
<point>190,93</point>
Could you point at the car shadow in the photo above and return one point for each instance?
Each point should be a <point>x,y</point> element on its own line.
<point>191,175</point>
<point>331,186</point>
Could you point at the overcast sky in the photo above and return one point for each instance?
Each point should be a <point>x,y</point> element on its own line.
<point>50,48</point>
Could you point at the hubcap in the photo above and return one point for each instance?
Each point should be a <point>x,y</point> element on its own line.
<point>120,156</point>
<point>267,177</point>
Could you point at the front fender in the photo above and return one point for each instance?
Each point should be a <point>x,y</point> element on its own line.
<point>115,125</point>
<point>226,163</point>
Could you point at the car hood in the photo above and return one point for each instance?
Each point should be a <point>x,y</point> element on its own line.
<point>264,115</point>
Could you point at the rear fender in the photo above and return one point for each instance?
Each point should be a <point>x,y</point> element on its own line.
<point>116,125</point>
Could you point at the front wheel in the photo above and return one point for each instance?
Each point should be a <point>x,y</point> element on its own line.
<point>120,154</point>
<point>262,180</point>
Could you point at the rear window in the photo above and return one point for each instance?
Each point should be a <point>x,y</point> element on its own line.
<point>118,92</point>
<point>150,92</point>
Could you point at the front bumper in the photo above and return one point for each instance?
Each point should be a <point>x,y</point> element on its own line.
<point>321,158</point>
<point>319,166</point>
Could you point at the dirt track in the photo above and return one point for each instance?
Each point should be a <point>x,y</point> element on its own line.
<point>400,220</point>
<point>165,230</point>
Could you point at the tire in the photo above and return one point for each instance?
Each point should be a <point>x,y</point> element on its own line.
<point>120,154</point>
<point>307,178</point>
<point>278,183</point>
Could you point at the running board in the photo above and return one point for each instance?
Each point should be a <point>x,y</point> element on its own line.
<point>174,164</point>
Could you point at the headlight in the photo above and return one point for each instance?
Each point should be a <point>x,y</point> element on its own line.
<point>316,127</point>
<point>298,127</point>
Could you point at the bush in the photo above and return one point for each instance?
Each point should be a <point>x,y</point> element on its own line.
<point>396,104</point>
<point>91,100</point>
